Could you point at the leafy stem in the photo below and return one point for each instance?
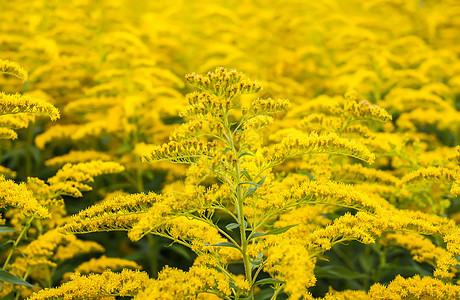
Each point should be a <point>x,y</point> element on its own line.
<point>239,201</point>
<point>16,243</point>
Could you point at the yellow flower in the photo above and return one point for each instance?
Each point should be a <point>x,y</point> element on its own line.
<point>101,264</point>
<point>358,173</point>
<point>75,157</point>
<point>70,179</point>
<point>266,106</point>
<point>17,103</point>
<point>126,283</point>
<point>175,284</point>
<point>414,287</point>
<point>296,145</point>
<point>431,174</point>
<point>12,68</point>
<point>17,195</point>
<point>222,82</point>
<point>290,261</point>
<point>6,133</point>
<point>187,151</point>
<point>338,194</point>
<point>56,132</point>
<point>16,121</point>
<point>423,250</point>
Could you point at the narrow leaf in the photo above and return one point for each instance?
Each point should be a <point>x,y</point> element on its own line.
<point>281,230</point>
<point>257,234</point>
<point>255,262</point>
<point>6,229</point>
<point>268,281</point>
<point>273,231</point>
<point>262,181</point>
<point>250,191</point>
<point>224,244</point>
<point>246,174</point>
<point>8,277</point>
<point>232,226</point>
<point>245,153</point>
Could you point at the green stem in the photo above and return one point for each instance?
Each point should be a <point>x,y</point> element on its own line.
<point>244,241</point>
<point>277,291</point>
<point>153,255</point>
<point>15,245</point>
<point>139,179</point>
<point>240,206</point>
<point>18,292</point>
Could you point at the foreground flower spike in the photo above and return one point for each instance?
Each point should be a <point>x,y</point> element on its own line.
<point>220,138</point>
<point>101,264</point>
<point>423,250</point>
<point>71,179</point>
<point>281,221</point>
<point>298,145</point>
<point>52,248</point>
<point>223,82</point>
<point>75,157</point>
<point>414,288</point>
<point>355,109</point>
<point>177,284</point>
<point>17,195</point>
<point>17,103</point>
<point>17,110</point>
<point>95,286</point>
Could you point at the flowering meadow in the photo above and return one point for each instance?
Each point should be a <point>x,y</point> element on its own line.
<point>256,150</point>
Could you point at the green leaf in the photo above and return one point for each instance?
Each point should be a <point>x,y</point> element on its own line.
<point>264,294</point>
<point>6,229</point>
<point>25,86</point>
<point>8,277</point>
<point>224,244</point>
<point>261,181</point>
<point>232,226</point>
<point>255,262</point>
<point>245,153</point>
<point>123,148</point>
<point>268,281</point>
<point>250,191</point>
<point>273,231</point>
<point>281,230</point>
<point>8,242</point>
<point>246,174</point>
<point>367,262</point>
<point>257,234</point>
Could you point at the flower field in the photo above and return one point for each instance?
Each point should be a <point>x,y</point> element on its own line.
<point>252,150</point>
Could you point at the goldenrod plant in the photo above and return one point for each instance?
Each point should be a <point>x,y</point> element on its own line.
<point>312,151</point>
<point>278,217</point>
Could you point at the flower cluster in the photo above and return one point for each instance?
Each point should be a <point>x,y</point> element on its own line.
<point>349,189</point>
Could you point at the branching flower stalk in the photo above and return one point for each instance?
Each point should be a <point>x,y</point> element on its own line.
<point>217,104</point>
<point>239,201</point>
<point>280,223</point>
